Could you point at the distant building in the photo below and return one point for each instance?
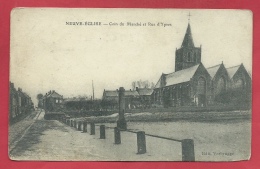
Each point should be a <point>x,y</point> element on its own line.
<point>19,102</point>
<point>145,95</point>
<point>110,99</point>
<point>13,102</point>
<point>52,101</point>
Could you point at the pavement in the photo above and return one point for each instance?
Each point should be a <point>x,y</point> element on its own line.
<point>52,140</point>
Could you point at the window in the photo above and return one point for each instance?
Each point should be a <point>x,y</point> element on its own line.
<point>201,88</point>
<point>221,85</point>
<point>239,84</point>
<point>189,57</point>
<point>194,57</point>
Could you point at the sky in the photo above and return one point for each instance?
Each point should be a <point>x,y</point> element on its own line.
<point>48,54</point>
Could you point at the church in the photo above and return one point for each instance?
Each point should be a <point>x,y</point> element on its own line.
<point>191,84</point>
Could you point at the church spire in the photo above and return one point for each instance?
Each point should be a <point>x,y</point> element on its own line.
<point>188,41</point>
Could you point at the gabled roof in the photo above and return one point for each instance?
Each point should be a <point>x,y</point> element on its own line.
<point>232,70</point>
<point>54,95</point>
<point>158,84</point>
<point>178,77</point>
<point>188,40</point>
<point>26,95</point>
<point>145,91</point>
<point>131,93</point>
<point>111,93</point>
<point>213,70</point>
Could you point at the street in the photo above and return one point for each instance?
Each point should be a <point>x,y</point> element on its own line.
<point>54,141</point>
<point>35,138</point>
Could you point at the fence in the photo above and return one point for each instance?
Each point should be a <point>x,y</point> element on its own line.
<point>187,145</point>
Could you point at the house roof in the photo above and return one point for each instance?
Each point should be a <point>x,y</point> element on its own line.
<point>145,91</point>
<point>188,40</point>
<point>178,77</point>
<point>75,99</point>
<point>114,93</point>
<point>213,70</point>
<point>232,70</point>
<point>111,93</point>
<point>54,95</point>
<point>131,93</point>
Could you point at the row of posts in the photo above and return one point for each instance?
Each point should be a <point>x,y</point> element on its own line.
<point>187,144</point>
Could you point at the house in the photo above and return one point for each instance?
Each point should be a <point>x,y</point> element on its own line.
<point>52,101</point>
<point>145,96</point>
<point>20,103</point>
<point>13,101</point>
<point>110,99</point>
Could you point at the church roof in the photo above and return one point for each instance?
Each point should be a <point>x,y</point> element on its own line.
<point>188,40</point>
<point>213,70</point>
<point>158,84</point>
<point>178,77</point>
<point>232,70</point>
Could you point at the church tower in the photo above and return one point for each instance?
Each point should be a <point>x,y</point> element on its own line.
<point>188,55</point>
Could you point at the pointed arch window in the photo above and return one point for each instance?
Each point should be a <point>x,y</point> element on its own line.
<point>239,84</point>
<point>195,57</point>
<point>201,88</point>
<point>221,85</point>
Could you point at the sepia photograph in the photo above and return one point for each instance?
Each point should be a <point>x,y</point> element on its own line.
<point>130,84</point>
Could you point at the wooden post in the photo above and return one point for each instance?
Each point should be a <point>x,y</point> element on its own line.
<point>92,128</point>
<point>79,126</point>
<point>102,132</point>
<point>117,136</point>
<point>188,150</point>
<point>141,143</point>
<point>75,124</point>
<point>85,127</point>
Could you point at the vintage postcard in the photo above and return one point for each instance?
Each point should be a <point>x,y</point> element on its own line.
<point>130,84</point>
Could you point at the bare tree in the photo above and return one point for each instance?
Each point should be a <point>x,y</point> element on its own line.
<point>133,85</point>
<point>142,84</point>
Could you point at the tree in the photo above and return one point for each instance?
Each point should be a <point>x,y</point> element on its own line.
<point>40,100</point>
<point>142,84</point>
<point>39,96</point>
